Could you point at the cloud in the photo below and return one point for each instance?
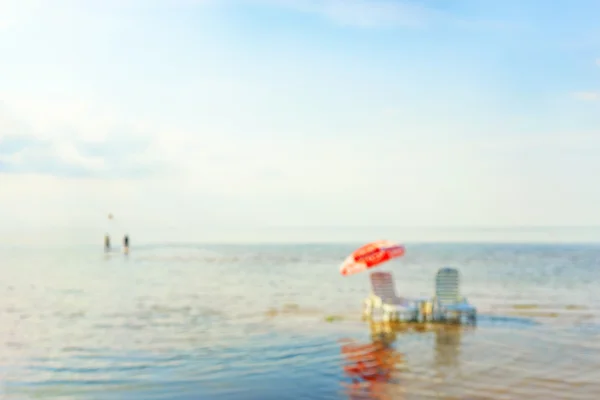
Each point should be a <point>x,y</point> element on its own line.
<point>587,96</point>
<point>70,158</point>
<point>76,139</point>
<point>598,61</point>
<point>356,13</point>
<point>387,13</point>
<point>61,140</point>
<point>368,13</point>
<point>361,13</point>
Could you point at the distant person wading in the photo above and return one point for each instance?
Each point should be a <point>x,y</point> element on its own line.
<point>126,244</point>
<point>106,243</point>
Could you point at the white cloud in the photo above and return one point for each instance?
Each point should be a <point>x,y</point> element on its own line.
<point>203,176</point>
<point>70,155</point>
<point>587,96</point>
<point>390,13</point>
<point>373,12</point>
<point>71,138</point>
<point>366,13</point>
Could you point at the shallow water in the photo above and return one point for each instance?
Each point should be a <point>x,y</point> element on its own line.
<point>249,322</point>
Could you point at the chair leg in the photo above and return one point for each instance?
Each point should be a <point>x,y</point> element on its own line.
<point>473,318</point>
<point>444,317</point>
<point>458,317</point>
<point>415,317</point>
<point>439,315</point>
<point>386,316</point>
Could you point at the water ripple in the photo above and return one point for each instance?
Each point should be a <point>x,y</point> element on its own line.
<point>195,322</point>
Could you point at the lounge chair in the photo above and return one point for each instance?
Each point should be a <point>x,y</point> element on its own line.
<point>448,304</point>
<point>383,296</point>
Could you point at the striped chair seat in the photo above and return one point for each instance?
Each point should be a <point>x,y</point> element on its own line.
<point>384,296</point>
<point>447,294</point>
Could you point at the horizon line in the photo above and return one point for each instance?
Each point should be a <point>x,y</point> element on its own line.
<point>304,227</point>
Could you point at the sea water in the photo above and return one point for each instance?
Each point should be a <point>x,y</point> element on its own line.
<point>194,321</point>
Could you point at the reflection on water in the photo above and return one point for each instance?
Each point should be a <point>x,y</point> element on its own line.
<point>370,367</point>
<point>496,360</point>
<point>447,346</point>
<point>375,368</point>
<point>258,323</point>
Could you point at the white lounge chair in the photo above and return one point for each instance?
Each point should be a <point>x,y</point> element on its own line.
<point>383,296</point>
<point>448,304</point>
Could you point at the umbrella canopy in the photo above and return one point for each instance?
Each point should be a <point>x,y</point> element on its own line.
<point>371,255</point>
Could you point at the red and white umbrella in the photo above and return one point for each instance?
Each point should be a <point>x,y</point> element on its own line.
<point>371,255</point>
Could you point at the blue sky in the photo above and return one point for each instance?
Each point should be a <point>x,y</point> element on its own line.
<point>299,112</point>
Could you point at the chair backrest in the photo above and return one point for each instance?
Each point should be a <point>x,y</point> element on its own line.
<point>382,285</point>
<point>447,282</point>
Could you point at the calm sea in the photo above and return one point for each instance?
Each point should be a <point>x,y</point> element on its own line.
<point>265,322</point>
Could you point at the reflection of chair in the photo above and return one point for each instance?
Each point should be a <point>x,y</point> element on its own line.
<point>370,367</point>
<point>447,346</point>
<point>382,332</point>
<point>448,303</point>
<point>383,296</point>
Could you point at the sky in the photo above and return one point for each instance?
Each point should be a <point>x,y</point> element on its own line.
<point>204,114</point>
